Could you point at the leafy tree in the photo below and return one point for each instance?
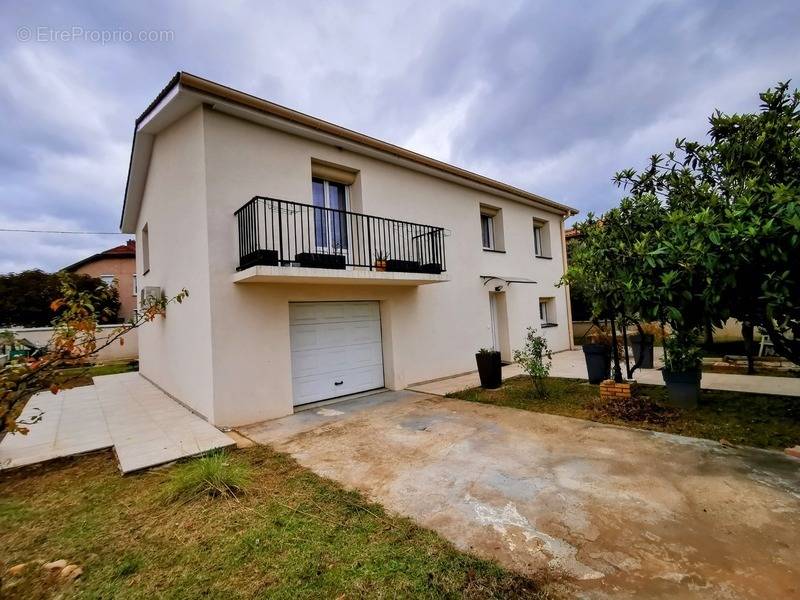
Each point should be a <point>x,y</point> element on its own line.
<point>73,343</point>
<point>730,242</point>
<point>535,359</point>
<point>25,297</point>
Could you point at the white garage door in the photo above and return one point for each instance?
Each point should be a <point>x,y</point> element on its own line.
<point>336,349</point>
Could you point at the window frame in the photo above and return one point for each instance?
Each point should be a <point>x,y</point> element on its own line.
<point>541,238</point>
<point>545,318</point>
<point>145,249</point>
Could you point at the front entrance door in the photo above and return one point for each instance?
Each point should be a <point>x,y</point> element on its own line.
<point>498,313</point>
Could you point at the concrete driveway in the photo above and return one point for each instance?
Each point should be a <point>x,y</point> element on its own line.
<point>623,513</point>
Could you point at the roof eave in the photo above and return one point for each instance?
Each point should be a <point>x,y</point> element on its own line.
<point>185,82</point>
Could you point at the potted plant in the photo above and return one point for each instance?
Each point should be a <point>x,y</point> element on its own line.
<point>380,260</point>
<point>597,354</point>
<point>682,370</point>
<point>489,368</point>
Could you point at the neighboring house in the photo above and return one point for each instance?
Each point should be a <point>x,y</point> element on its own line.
<point>243,202</point>
<point>118,263</point>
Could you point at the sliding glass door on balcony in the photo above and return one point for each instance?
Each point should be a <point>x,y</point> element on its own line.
<point>330,226</point>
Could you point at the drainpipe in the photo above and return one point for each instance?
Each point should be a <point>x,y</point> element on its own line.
<point>566,287</point>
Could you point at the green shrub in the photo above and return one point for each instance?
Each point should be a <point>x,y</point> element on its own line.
<point>217,474</point>
<point>535,359</point>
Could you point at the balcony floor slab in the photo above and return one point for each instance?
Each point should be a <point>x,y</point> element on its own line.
<point>356,276</point>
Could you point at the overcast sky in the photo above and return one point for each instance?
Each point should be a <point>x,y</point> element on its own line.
<point>553,97</point>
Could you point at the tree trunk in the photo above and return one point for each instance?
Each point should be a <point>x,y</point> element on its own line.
<point>747,334</point>
<point>709,335</point>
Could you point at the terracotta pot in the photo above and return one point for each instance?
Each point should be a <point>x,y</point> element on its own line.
<point>380,265</point>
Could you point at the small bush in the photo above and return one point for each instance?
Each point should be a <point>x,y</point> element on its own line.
<point>535,359</point>
<point>217,475</point>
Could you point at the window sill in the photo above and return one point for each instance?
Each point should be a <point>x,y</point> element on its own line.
<point>545,325</point>
<point>543,256</point>
<point>493,250</point>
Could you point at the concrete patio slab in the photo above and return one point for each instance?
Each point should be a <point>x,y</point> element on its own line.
<point>623,513</point>
<point>571,365</point>
<point>144,425</point>
<point>61,432</point>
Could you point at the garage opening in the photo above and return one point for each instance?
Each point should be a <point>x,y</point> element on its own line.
<point>336,349</point>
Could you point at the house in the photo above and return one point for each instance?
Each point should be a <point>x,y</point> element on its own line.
<point>117,264</point>
<point>322,262</point>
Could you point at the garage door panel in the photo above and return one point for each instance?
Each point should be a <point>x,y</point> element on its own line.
<point>332,312</point>
<point>336,349</point>
<point>330,335</point>
<point>322,387</point>
<point>327,360</point>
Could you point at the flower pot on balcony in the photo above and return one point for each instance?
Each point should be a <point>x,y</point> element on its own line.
<point>683,388</point>
<point>642,347</point>
<point>319,260</point>
<point>258,257</point>
<point>432,268</point>
<point>598,362</point>
<point>490,369</point>
<point>380,265</point>
<point>402,266</point>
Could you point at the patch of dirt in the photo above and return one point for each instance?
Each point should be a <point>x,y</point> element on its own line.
<point>637,409</point>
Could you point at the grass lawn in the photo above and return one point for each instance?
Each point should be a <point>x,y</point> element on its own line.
<point>292,535</point>
<point>80,376</point>
<point>746,419</point>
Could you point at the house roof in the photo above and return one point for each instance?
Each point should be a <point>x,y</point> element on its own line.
<point>126,250</point>
<point>185,91</point>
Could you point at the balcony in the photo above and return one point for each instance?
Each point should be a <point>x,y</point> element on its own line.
<point>290,242</point>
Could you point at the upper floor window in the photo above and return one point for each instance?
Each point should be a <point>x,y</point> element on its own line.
<point>491,228</point>
<point>145,249</point>
<point>541,239</point>
<point>487,231</point>
<point>109,280</point>
<point>135,286</point>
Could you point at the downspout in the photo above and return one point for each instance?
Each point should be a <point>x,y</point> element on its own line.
<point>566,287</point>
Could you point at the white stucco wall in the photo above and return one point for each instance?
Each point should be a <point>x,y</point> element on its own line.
<point>175,351</point>
<point>429,331</point>
<point>226,353</point>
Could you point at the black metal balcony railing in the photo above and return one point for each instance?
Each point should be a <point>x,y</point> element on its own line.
<point>279,232</point>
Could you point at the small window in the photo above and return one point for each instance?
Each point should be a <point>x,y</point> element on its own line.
<point>547,312</point>
<point>492,228</point>
<point>109,280</point>
<point>135,287</point>
<point>145,249</point>
<point>487,231</point>
<point>541,239</point>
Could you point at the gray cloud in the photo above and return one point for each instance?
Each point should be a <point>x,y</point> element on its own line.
<point>553,97</point>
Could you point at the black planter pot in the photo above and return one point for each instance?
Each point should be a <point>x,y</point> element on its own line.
<point>489,369</point>
<point>402,266</point>
<point>683,389</point>
<point>259,257</point>
<point>321,261</point>
<point>432,268</point>
<point>598,362</point>
<point>642,346</point>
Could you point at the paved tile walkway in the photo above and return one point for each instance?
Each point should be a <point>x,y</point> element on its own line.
<point>571,364</point>
<point>144,425</point>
